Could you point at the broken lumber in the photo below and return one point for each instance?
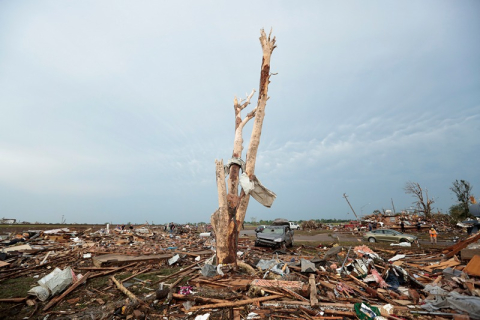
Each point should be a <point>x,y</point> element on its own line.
<point>112,271</point>
<point>196,299</point>
<point>365,286</point>
<point>125,290</point>
<point>15,300</point>
<point>179,272</point>
<point>119,259</point>
<point>313,291</point>
<point>234,304</point>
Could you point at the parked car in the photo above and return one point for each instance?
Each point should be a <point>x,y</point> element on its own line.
<point>259,228</point>
<point>388,235</point>
<point>278,234</point>
<point>293,225</point>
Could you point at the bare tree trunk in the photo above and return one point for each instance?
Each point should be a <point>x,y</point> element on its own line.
<point>221,219</point>
<point>268,45</point>
<point>232,205</point>
<point>416,191</point>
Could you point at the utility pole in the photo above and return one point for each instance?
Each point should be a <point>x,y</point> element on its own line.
<point>428,206</point>
<point>346,198</point>
<point>393,206</point>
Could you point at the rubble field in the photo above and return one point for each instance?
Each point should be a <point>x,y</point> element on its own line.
<point>149,273</point>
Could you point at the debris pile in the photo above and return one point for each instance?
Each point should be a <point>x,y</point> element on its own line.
<point>442,222</point>
<point>152,273</point>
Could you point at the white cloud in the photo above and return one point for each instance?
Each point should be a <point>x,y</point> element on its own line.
<point>133,102</point>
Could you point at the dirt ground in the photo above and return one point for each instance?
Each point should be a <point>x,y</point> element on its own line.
<point>316,236</point>
<point>326,237</point>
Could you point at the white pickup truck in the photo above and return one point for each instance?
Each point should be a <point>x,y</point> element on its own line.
<point>293,225</point>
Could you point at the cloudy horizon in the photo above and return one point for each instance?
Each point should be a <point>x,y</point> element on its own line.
<point>116,111</point>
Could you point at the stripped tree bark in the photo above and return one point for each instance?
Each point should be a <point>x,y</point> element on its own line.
<point>232,203</point>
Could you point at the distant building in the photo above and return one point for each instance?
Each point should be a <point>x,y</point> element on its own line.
<point>7,221</point>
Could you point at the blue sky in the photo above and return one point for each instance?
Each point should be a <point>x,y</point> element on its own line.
<point>115,111</point>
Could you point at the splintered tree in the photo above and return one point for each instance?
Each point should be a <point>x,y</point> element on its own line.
<point>233,203</point>
<point>422,203</point>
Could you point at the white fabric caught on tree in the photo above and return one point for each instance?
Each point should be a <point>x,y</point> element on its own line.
<point>258,191</point>
<point>246,184</point>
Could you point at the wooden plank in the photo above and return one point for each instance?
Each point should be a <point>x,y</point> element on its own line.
<point>195,253</point>
<point>213,284</point>
<point>327,284</point>
<point>196,298</point>
<point>461,245</point>
<point>442,265</point>
<point>293,294</point>
<point>14,300</point>
<point>292,285</point>
<point>17,248</point>
<point>234,284</point>
<point>313,291</point>
<point>234,304</point>
<point>236,314</point>
<point>365,286</point>
<point>124,290</point>
<point>338,312</point>
<point>403,302</point>
<point>101,274</point>
<point>473,267</point>
<point>119,259</point>
<point>95,268</point>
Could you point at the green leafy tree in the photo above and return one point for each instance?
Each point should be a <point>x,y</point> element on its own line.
<point>463,192</point>
<point>456,213</point>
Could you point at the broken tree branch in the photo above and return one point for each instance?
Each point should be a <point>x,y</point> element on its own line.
<point>125,290</point>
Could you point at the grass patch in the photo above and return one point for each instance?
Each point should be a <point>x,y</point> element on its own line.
<point>152,277</point>
<point>17,288</point>
<point>99,282</point>
<point>163,271</point>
